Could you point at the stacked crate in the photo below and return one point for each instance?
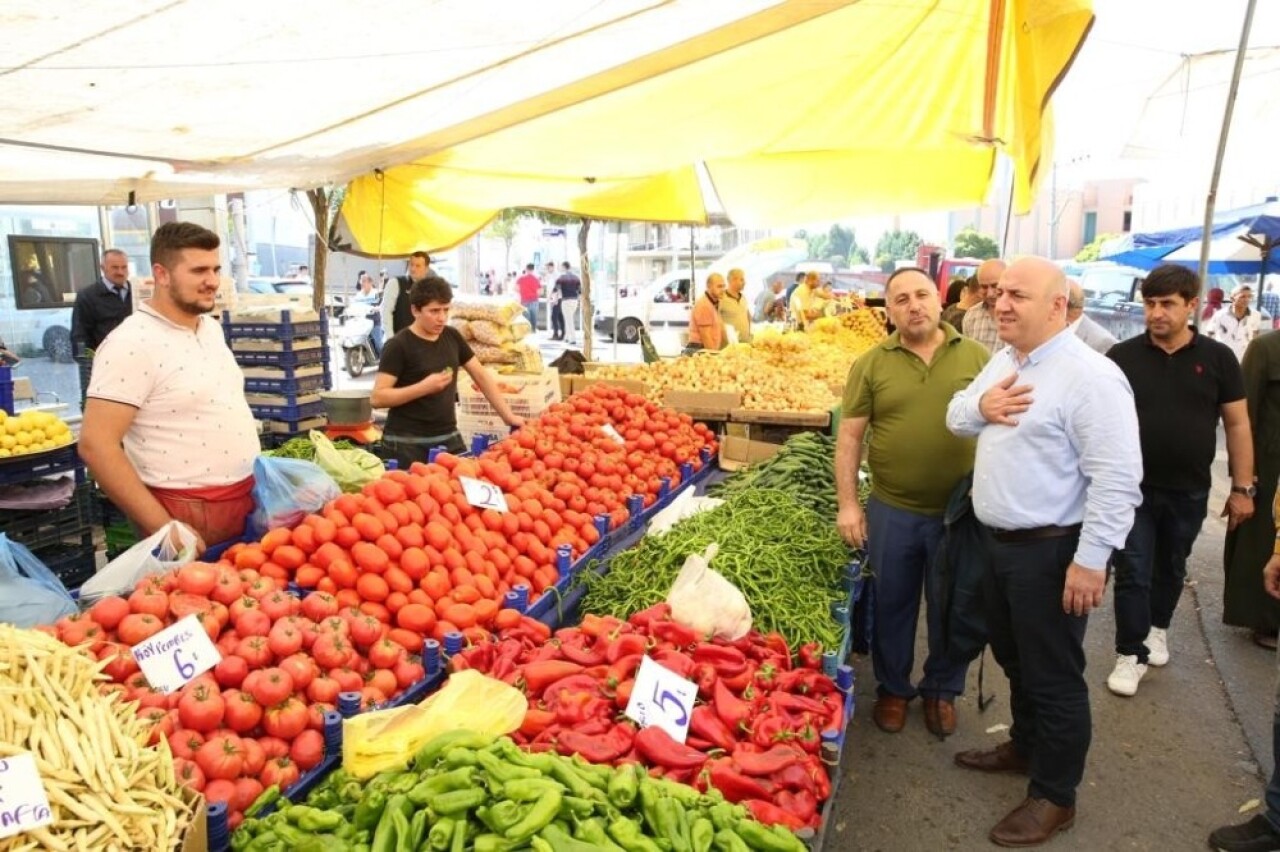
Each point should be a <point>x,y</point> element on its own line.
<point>285,359</point>
<point>528,395</point>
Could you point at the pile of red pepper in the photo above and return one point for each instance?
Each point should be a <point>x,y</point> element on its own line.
<point>754,735</point>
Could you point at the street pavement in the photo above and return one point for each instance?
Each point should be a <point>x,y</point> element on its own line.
<point>1166,766</point>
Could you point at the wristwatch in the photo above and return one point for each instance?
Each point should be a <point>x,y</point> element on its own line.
<point>1249,491</point>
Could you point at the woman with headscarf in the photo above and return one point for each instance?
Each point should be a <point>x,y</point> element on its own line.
<point>1212,304</point>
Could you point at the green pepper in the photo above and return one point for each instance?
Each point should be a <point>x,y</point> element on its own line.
<point>494,843</point>
<point>369,810</point>
<point>351,791</point>
<point>624,785</point>
<point>458,801</point>
<point>403,783</point>
<point>461,778</point>
<point>541,761</point>
<point>627,833</point>
<point>682,793</point>
<point>596,775</point>
<point>426,756</point>
<point>264,842</point>
<point>573,807</point>
<point>593,831</point>
<point>318,821</point>
<point>322,843</point>
<point>648,806</point>
<point>725,816</point>
<point>505,814</point>
<point>671,824</point>
<point>536,818</point>
<point>727,840</point>
<point>268,796</point>
<point>567,774</point>
<point>241,838</point>
<point>384,838</point>
<point>768,839</point>
<point>440,835</point>
<point>400,825</point>
<point>455,757</point>
<point>560,840</point>
<point>459,837</point>
<point>530,789</point>
<point>502,770</point>
<point>289,835</point>
<point>701,834</point>
<point>540,845</point>
<point>417,832</point>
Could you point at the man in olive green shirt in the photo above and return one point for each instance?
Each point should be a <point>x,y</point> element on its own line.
<point>733,306</point>
<point>901,390</point>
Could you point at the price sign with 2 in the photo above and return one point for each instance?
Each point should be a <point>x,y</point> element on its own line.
<point>23,803</point>
<point>176,655</point>
<point>483,495</point>
<point>662,698</point>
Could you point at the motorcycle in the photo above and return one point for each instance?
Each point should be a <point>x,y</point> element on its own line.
<point>356,337</point>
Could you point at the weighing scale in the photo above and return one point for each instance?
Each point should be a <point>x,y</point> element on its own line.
<point>350,416</point>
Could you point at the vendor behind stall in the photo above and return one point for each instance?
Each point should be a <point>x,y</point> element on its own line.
<point>806,304</point>
<point>418,379</point>
<point>167,433</point>
<point>706,326</point>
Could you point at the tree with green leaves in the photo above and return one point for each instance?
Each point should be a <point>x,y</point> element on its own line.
<point>840,241</point>
<point>858,255</point>
<point>1093,251</point>
<point>505,226</point>
<point>970,243</point>
<point>895,246</point>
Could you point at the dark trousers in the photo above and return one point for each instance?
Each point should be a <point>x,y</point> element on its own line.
<point>1273,788</point>
<point>406,451</point>
<point>1152,567</point>
<point>901,546</point>
<point>557,322</point>
<point>1041,649</point>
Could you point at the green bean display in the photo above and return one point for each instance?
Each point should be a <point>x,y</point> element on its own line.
<point>804,468</point>
<point>302,448</point>
<point>787,560</point>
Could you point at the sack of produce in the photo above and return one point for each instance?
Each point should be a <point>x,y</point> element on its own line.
<point>490,333</point>
<point>704,600</point>
<point>685,505</point>
<point>463,326</point>
<point>494,354</point>
<point>528,358</point>
<point>352,468</point>
<point>496,309</point>
<point>379,741</point>
<point>30,594</point>
<point>287,490</point>
<point>171,546</point>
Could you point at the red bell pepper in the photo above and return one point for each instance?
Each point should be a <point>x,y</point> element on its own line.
<point>770,814</point>
<point>727,660</point>
<point>777,759</point>
<point>623,696</point>
<point>789,703</point>
<point>595,748</point>
<point>811,655</point>
<point>536,721</point>
<point>645,618</point>
<point>626,645</point>
<point>739,682</point>
<point>776,644</point>
<point>579,682</point>
<point>704,723</point>
<point>735,786</point>
<point>570,706</point>
<point>676,634</point>
<point>623,668</point>
<point>676,661</point>
<point>795,776</point>
<point>771,728</point>
<point>704,675</point>
<point>733,711</point>
<point>800,804</point>
<point>821,779</point>
<point>809,738</point>
<point>576,650</point>
<point>657,747</point>
<point>700,744</point>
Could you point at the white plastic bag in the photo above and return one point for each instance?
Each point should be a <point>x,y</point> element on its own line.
<point>685,505</point>
<point>705,601</point>
<point>155,554</point>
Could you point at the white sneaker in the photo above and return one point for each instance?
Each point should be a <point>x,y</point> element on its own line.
<point>1128,673</point>
<point>1157,647</point>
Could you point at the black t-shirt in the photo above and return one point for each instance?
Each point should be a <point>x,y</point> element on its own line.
<point>1179,398</point>
<point>570,286</point>
<point>411,359</point>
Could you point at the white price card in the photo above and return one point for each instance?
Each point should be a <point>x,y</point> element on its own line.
<point>176,655</point>
<point>483,495</point>
<point>662,698</point>
<point>611,432</point>
<point>23,804</point>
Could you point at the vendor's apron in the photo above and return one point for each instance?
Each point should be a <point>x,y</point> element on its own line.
<point>218,513</point>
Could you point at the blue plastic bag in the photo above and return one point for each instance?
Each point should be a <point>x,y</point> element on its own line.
<point>287,490</point>
<point>30,594</point>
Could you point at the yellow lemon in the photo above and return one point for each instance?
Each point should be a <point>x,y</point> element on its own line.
<point>24,438</point>
<point>4,454</point>
<point>37,436</point>
<point>8,442</point>
<point>12,426</point>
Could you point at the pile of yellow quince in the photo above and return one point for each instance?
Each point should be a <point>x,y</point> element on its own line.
<point>30,432</point>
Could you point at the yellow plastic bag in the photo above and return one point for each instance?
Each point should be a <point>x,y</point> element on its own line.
<point>386,739</point>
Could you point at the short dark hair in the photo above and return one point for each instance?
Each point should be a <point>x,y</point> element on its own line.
<point>429,290</point>
<point>800,276</point>
<point>566,266</point>
<point>172,237</point>
<point>972,284</point>
<point>954,288</point>
<point>1169,279</point>
<point>423,255</point>
<point>904,270</point>
<point>528,267</point>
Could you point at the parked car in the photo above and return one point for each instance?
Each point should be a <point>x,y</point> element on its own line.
<point>280,286</point>
<point>1113,297</point>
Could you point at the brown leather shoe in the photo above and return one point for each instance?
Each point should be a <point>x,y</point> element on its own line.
<point>940,716</point>
<point>1031,823</point>
<point>890,713</point>
<point>1002,758</point>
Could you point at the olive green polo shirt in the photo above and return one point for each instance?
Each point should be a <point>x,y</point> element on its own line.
<point>737,314</point>
<point>915,460</point>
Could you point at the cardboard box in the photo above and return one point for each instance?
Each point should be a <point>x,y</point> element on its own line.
<point>737,453</point>
<point>629,385</point>
<point>566,385</point>
<point>702,405</point>
<point>812,419</point>
<point>196,837</point>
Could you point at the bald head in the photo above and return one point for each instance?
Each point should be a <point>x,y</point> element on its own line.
<point>988,276</point>
<point>715,285</point>
<point>1031,304</point>
<point>1075,300</point>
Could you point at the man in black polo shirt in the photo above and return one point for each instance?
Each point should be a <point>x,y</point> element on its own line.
<point>1183,382</point>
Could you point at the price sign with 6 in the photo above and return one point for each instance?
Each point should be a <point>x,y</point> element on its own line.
<point>23,804</point>
<point>483,495</point>
<point>662,698</point>
<point>176,655</point>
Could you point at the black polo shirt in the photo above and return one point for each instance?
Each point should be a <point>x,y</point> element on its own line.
<point>1179,397</point>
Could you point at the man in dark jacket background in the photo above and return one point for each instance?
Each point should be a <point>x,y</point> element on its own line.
<point>103,305</point>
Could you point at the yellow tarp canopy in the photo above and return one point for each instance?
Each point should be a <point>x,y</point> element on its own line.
<point>801,111</point>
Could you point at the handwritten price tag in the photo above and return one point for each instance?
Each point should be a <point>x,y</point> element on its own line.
<point>23,804</point>
<point>662,698</point>
<point>611,432</point>
<point>483,495</point>
<point>176,655</point>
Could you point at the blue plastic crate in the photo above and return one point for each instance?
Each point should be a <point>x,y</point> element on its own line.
<point>286,329</point>
<point>285,358</point>
<point>290,386</point>
<point>288,413</point>
<point>19,469</point>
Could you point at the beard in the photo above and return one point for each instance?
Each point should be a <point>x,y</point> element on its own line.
<point>191,307</point>
<point>918,335</point>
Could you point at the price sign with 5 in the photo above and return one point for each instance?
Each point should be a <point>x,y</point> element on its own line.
<point>662,698</point>
<point>176,655</point>
<point>23,804</point>
<point>483,495</point>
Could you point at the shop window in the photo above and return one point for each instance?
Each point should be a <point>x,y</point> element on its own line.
<point>47,271</point>
<point>1090,227</point>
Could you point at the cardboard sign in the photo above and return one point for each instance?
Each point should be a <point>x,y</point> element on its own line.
<point>23,804</point>
<point>176,655</point>
<point>483,495</point>
<point>662,698</point>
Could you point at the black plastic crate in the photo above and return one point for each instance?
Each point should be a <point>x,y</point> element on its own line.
<point>18,469</point>
<point>73,565</point>
<point>49,527</point>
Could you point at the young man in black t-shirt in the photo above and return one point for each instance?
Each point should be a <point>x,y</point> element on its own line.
<point>418,379</point>
<point>1183,383</point>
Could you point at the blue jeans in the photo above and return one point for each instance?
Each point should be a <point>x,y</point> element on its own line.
<point>531,312</point>
<point>1152,567</point>
<point>901,546</point>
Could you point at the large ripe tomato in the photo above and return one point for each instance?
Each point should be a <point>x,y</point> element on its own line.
<point>120,663</point>
<point>189,773</point>
<point>252,622</point>
<point>331,650</point>
<point>201,708</point>
<point>408,673</point>
<point>230,672</point>
<point>137,627</point>
<point>197,578</point>
<point>255,650</point>
<point>307,750</point>
<point>228,589</point>
<point>384,654</point>
<point>318,606</point>
<point>243,713</point>
<point>323,689</point>
<point>301,668</point>
<point>285,720</point>
<point>382,680</point>
<point>184,743</point>
<point>273,687</point>
<point>221,758</point>
<point>284,640</point>
<point>255,756</point>
<point>149,600</point>
<point>220,790</point>
<point>247,789</point>
<point>279,604</point>
<point>281,771</point>
<point>109,611</point>
<point>366,630</point>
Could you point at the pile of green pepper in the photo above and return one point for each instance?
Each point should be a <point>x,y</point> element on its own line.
<point>805,468</point>
<point>466,791</point>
